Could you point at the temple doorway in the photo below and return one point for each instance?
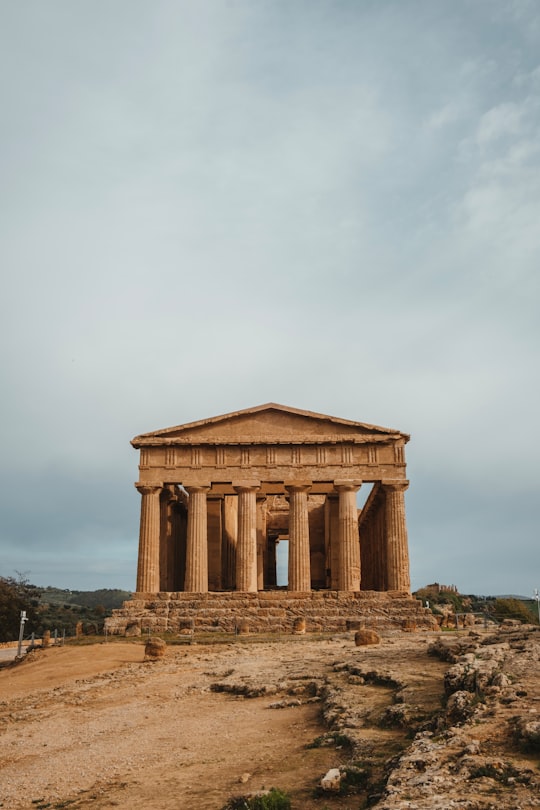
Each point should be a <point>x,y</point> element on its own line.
<point>282,562</point>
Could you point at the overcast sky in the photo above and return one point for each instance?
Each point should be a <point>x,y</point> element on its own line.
<point>330,204</point>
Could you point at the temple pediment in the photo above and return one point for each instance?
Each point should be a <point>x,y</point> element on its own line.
<point>211,490</point>
<point>269,424</point>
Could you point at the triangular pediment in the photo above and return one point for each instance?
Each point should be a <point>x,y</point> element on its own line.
<point>270,423</point>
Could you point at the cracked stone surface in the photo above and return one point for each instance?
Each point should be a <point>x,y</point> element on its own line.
<point>418,721</point>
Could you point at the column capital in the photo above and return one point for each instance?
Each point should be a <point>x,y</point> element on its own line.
<point>196,488</point>
<point>170,491</point>
<point>297,486</point>
<point>148,489</point>
<point>347,485</point>
<point>395,485</point>
<point>246,486</point>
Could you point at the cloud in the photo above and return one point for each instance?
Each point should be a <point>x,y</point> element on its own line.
<point>329,205</point>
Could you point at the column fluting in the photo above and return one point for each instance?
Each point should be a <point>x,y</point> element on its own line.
<point>349,538</point>
<point>246,544</point>
<point>149,536</point>
<point>197,541</point>
<point>397,546</point>
<point>299,560</point>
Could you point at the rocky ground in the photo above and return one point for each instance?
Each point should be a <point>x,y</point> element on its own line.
<point>418,721</point>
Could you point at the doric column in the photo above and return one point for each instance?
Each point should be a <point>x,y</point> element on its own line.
<point>148,563</point>
<point>261,541</point>
<point>230,536</point>
<point>197,542</point>
<point>246,544</point>
<point>179,526</point>
<point>397,546</point>
<point>299,565</point>
<point>348,536</point>
<point>166,500</point>
<point>271,573</point>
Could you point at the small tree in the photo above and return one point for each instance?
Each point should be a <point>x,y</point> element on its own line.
<point>514,609</point>
<point>17,595</point>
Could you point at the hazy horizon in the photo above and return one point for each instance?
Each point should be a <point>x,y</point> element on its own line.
<point>330,205</point>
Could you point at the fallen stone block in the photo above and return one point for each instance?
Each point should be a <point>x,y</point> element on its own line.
<point>332,780</point>
<point>364,637</point>
<point>154,649</point>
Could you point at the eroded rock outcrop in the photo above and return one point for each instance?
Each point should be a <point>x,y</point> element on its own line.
<point>475,761</point>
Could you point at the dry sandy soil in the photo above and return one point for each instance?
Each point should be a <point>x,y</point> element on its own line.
<point>98,727</point>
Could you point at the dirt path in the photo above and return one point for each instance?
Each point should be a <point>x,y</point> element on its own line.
<point>96,727</point>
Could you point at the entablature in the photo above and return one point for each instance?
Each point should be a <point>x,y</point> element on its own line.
<point>254,440</point>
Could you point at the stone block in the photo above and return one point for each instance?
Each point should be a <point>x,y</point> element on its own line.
<point>155,649</point>
<point>363,638</point>
<point>133,629</point>
<point>332,780</point>
<point>299,625</point>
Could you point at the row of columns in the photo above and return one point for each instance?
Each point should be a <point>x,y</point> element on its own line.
<point>196,578</point>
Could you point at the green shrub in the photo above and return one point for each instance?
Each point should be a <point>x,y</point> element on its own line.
<point>514,609</point>
<point>332,738</point>
<point>273,800</point>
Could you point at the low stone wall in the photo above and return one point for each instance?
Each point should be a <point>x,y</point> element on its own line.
<point>269,612</point>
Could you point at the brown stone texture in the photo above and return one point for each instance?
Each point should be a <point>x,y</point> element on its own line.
<point>246,544</point>
<point>299,567</point>
<point>269,612</point>
<point>154,649</point>
<point>210,717</point>
<point>349,544</point>
<point>221,494</point>
<point>364,637</point>
<point>197,546</point>
<point>397,546</point>
<point>149,557</point>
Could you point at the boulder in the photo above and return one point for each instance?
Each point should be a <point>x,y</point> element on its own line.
<point>332,780</point>
<point>299,625</point>
<point>154,649</point>
<point>364,637</point>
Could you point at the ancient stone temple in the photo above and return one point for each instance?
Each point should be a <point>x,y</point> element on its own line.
<point>219,495</point>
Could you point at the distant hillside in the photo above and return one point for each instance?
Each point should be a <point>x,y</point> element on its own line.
<point>63,610</point>
<point>108,598</point>
<point>497,608</point>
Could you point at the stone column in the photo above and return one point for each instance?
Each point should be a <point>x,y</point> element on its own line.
<point>348,536</point>
<point>179,526</point>
<point>271,573</point>
<point>397,547</point>
<point>229,541</point>
<point>299,564</point>
<point>246,544</point>
<point>261,541</point>
<point>148,563</point>
<point>166,500</point>
<point>197,542</point>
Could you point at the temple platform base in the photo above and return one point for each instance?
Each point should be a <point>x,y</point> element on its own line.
<point>277,611</point>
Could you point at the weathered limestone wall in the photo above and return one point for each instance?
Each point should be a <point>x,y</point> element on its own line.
<point>269,612</point>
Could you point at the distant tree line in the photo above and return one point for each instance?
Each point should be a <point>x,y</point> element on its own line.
<point>496,608</point>
<point>17,595</point>
<point>53,608</point>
